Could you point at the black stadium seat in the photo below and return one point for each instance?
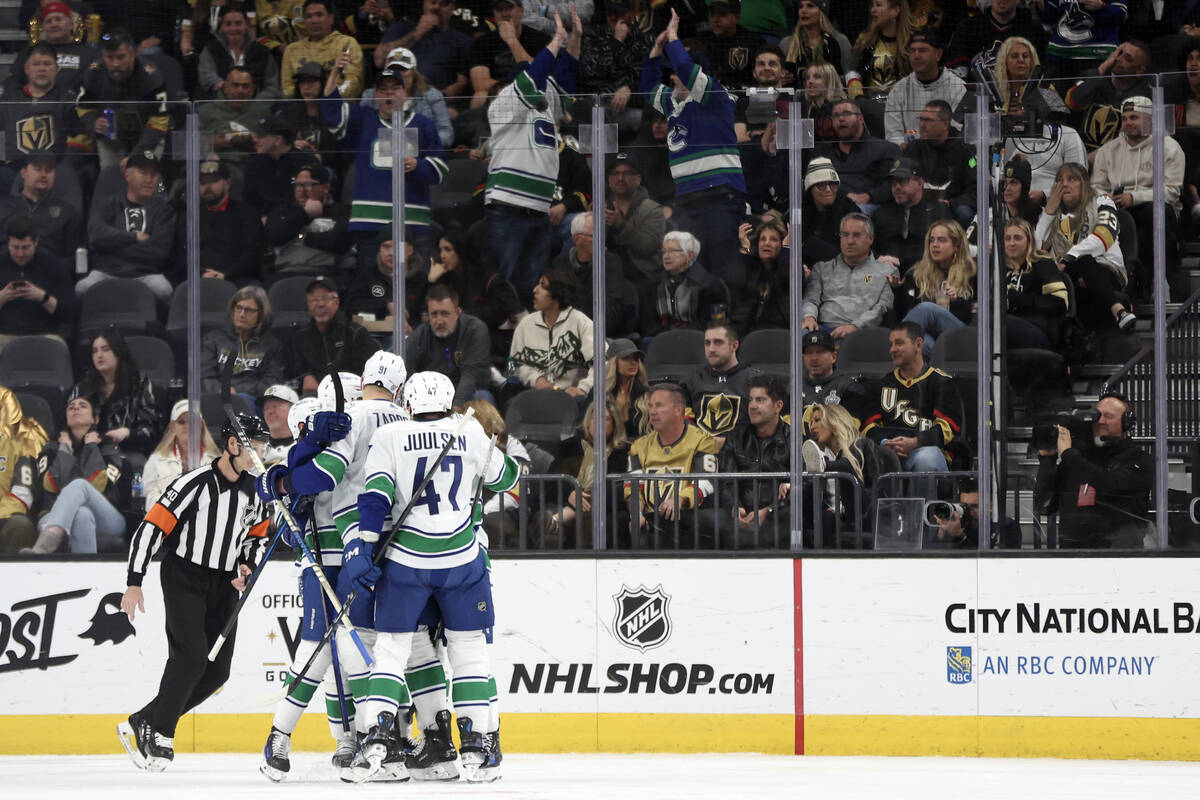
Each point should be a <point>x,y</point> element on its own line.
<point>543,416</point>
<point>866,352</point>
<point>123,303</point>
<point>289,304</point>
<point>215,294</point>
<point>38,365</point>
<point>155,359</point>
<point>33,405</point>
<point>769,349</point>
<point>673,355</point>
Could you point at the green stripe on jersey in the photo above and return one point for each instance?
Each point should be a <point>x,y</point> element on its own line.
<point>332,466</point>
<point>471,691</point>
<point>508,477</point>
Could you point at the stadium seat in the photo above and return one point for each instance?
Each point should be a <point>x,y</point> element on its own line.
<point>673,355</point>
<point>33,405</point>
<point>289,304</point>
<point>123,303</point>
<point>454,198</point>
<point>769,350</point>
<point>215,294</point>
<point>155,360</point>
<point>866,352</point>
<point>956,351</point>
<point>214,414</point>
<point>543,416</point>
<point>38,365</point>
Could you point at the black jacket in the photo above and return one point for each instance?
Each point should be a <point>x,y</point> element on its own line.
<point>947,169</point>
<point>139,103</point>
<point>20,317</point>
<point>762,301</point>
<point>45,123</point>
<point>621,314</point>
<point>59,223</point>
<point>345,344</point>
<point>139,411</point>
<point>112,236</point>
<point>231,241</point>
<point>686,300</point>
<point>464,356</point>
<point>822,228</point>
<point>900,231</point>
<point>744,451</point>
<point>718,400</point>
<point>1121,475</point>
<point>304,243</point>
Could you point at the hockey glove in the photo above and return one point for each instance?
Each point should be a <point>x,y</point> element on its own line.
<point>358,566</point>
<point>268,484</point>
<point>330,426</point>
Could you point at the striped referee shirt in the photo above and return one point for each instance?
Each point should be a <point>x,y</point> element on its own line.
<point>204,518</point>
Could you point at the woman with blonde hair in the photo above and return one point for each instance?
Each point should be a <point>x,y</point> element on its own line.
<point>882,50</point>
<point>167,461</point>
<point>938,290</point>
<point>627,386</point>
<point>821,89</point>
<point>1037,297</point>
<point>815,41</point>
<point>834,444</point>
<point>579,503</point>
<point>1016,64</point>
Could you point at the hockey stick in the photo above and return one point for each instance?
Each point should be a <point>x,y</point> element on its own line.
<point>339,405</point>
<point>384,545</point>
<point>237,609</point>
<point>244,441</point>
<point>477,494</point>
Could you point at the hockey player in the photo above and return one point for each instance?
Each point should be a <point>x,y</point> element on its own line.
<point>435,554</point>
<point>214,526</point>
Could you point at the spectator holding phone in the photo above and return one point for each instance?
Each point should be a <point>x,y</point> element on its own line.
<point>36,293</point>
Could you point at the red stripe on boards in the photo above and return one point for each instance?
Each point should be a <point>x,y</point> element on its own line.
<point>798,642</point>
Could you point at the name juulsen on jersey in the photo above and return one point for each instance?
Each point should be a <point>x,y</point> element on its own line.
<point>434,440</point>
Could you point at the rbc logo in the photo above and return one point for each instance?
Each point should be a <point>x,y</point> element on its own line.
<point>958,664</point>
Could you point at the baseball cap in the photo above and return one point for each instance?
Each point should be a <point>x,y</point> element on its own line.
<point>214,169</point>
<point>280,391</point>
<point>498,3</point>
<point>820,170</point>
<point>928,36</point>
<point>310,69</point>
<point>904,168</point>
<point>319,172</point>
<point>620,348</point>
<point>321,280</point>
<point>401,57</point>
<point>179,409</point>
<point>25,159</point>
<point>817,338</point>
<point>1139,103</point>
<point>625,158</point>
<point>144,159</point>
<point>55,8</point>
<point>272,124</point>
<point>725,7</point>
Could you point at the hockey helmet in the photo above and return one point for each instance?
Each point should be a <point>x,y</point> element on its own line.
<point>301,412</point>
<point>254,428</point>
<point>385,369</point>
<point>351,389</point>
<point>428,393</point>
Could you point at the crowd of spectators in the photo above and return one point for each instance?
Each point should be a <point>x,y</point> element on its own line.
<point>295,108</point>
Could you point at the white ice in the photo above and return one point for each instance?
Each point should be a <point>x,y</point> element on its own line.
<point>617,777</point>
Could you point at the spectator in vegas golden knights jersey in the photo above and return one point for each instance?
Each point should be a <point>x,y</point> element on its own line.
<point>212,529</point>
<point>717,393</point>
<point>919,411</point>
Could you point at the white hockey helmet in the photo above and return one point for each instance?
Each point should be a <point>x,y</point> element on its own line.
<point>428,393</point>
<point>386,369</point>
<point>351,389</point>
<point>301,411</point>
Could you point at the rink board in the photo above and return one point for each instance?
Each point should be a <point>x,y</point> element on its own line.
<point>905,656</point>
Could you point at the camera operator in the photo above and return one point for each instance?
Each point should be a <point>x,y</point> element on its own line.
<point>1100,488</point>
<point>958,523</point>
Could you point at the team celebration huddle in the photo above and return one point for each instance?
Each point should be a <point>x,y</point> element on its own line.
<point>381,498</point>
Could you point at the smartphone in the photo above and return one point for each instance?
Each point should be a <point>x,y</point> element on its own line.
<point>20,284</point>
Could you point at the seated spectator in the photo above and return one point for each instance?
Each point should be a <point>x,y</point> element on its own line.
<point>1014,79</point>
<point>862,161</point>
<point>232,123</point>
<point>636,224</point>
<point>322,44</point>
<point>627,387</point>
<point>258,356</point>
<point>234,44</point>
<point>129,412</point>
<point>822,89</point>
<point>853,290</point>
<point>881,51</point>
<point>717,391</point>
<point>822,384</point>
<point>815,40</point>
<point>726,44</point>
<point>425,100</point>
<point>231,234</point>
<point>275,162</point>
<point>36,293</point>
<point>938,291</point>
<point>579,503</point>
<point>21,440</point>
<point>302,114</point>
<point>1036,294</point>
<point>835,445</point>
<point>945,162</point>
<point>927,81</point>
<point>81,488</point>
<point>763,299</point>
<point>440,48</point>
<point>825,204</point>
<point>361,129</point>
<point>916,411</point>
<point>1014,193</point>
<point>131,233</point>
<point>58,30</point>
<point>134,91</point>
<point>276,405</point>
<point>373,291</point>
<point>687,296</point>
<point>620,298</point>
<point>981,35</point>
<point>329,332</point>
<point>1123,168</point>
<point>902,222</point>
<point>1078,228</point>
<point>454,344</point>
<point>552,347</point>
<point>38,114</point>
<point>762,443</point>
<point>664,513</point>
<point>710,189</point>
<point>167,461</point>
<point>610,61</point>
<point>1099,95</point>
<point>58,220</point>
<point>493,57</point>
<point>310,232</point>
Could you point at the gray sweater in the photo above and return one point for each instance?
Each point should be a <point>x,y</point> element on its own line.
<point>838,294</point>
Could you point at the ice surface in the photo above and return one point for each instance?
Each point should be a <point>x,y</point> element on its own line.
<point>617,777</point>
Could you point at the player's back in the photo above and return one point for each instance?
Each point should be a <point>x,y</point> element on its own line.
<point>366,417</point>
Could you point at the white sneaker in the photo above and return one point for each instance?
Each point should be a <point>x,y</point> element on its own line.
<point>814,459</point>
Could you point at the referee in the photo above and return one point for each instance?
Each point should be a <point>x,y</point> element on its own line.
<point>212,526</point>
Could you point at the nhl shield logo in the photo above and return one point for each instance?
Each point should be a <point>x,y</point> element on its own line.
<point>642,621</point>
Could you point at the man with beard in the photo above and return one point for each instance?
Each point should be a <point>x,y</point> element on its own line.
<point>231,235</point>
<point>862,161</point>
<point>1099,95</point>
<point>453,343</point>
<point>59,221</point>
<point>717,392</point>
<point>73,58</point>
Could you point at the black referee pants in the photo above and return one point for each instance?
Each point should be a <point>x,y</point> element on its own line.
<point>197,602</point>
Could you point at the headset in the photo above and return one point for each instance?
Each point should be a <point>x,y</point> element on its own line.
<point>1129,417</point>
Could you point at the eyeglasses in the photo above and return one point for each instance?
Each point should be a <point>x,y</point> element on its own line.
<point>243,309</point>
<point>851,234</point>
<point>306,184</point>
<point>846,113</point>
<point>667,250</point>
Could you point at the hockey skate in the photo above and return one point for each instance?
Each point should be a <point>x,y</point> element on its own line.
<point>434,758</point>
<point>480,753</point>
<point>381,759</point>
<point>343,756</point>
<point>160,752</point>
<point>134,735</point>
<point>276,751</point>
